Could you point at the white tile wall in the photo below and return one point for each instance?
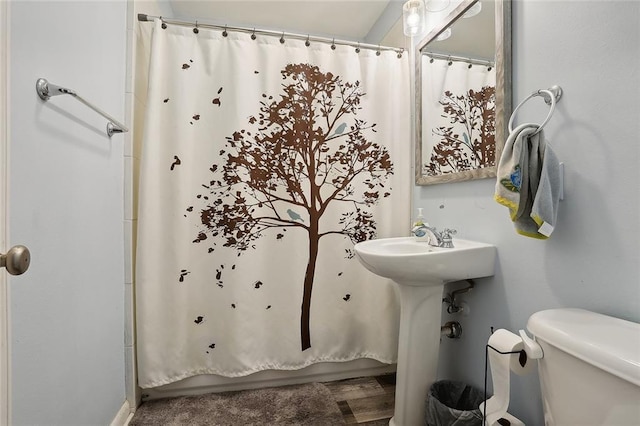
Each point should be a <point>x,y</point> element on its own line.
<point>130,377</point>
<point>138,44</point>
<point>129,313</point>
<point>129,136</point>
<point>128,252</point>
<point>128,188</point>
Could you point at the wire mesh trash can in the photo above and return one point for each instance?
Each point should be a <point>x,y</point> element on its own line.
<point>452,403</point>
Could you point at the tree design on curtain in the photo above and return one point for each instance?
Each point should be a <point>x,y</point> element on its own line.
<point>308,151</point>
<point>472,146</point>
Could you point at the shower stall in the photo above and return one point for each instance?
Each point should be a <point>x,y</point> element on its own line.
<point>259,159</point>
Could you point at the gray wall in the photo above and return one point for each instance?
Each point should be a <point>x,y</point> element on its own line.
<point>66,205</point>
<point>591,49</point>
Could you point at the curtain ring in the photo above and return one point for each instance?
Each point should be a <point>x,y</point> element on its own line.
<point>196,30</point>
<point>358,48</point>
<point>489,68</point>
<point>450,61</point>
<point>333,44</point>
<point>431,60</point>
<point>307,43</point>
<point>470,65</point>
<point>253,34</point>
<point>225,33</point>
<point>400,53</point>
<point>378,51</point>
<point>164,25</point>
<point>282,39</point>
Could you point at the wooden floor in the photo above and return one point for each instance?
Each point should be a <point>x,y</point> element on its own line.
<point>365,400</point>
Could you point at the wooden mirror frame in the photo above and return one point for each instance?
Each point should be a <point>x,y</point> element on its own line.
<point>502,94</point>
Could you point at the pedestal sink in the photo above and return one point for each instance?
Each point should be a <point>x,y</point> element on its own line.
<point>420,271</point>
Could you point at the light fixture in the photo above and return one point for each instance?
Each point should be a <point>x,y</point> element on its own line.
<point>473,10</point>
<point>437,5</point>
<point>413,18</point>
<point>444,35</point>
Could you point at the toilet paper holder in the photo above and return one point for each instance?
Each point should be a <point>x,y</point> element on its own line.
<point>531,349</point>
<point>522,355</point>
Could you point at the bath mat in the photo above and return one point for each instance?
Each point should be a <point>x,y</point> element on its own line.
<point>308,404</point>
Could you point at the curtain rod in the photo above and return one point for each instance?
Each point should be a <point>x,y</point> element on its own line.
<point>453,58</point>
<point>282,34</point>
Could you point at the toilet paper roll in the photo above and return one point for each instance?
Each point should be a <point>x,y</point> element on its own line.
<point>501,366</point>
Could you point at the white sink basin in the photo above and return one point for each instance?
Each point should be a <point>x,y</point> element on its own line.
<point>412,262</point>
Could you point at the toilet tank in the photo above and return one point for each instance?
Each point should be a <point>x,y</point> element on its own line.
<point>590,371</point>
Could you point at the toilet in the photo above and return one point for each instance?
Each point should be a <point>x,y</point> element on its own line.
<point>590,368</point>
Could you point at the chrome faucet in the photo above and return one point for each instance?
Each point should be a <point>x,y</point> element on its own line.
<point>442,239</point>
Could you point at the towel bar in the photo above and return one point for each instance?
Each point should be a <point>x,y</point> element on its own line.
<point>551,96</point>
<point>46,90</point>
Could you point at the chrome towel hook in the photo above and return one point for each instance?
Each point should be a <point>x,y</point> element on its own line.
<point>551,96</point>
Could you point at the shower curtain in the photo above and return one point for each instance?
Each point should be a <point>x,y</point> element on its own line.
<point>458,116</point>
<point>263,163</point>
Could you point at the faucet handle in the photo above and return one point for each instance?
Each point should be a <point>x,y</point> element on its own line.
<point>447,233</point>
<point>446,237</point>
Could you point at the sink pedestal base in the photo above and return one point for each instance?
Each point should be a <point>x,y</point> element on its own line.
<point>420,271</point>
<point>418,347</point>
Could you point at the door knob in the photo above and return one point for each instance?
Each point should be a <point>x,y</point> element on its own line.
<point>16,260</point>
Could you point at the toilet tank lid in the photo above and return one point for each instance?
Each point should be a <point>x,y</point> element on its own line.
<point>609,343</point>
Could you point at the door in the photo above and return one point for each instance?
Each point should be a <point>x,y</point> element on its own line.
<point>4,380</point>
<point>62,196</point>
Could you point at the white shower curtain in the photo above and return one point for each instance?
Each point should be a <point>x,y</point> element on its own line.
<point>458,116</point>
<point>263,163</point>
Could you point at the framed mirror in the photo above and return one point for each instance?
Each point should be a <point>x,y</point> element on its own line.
<point>463,93</point>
